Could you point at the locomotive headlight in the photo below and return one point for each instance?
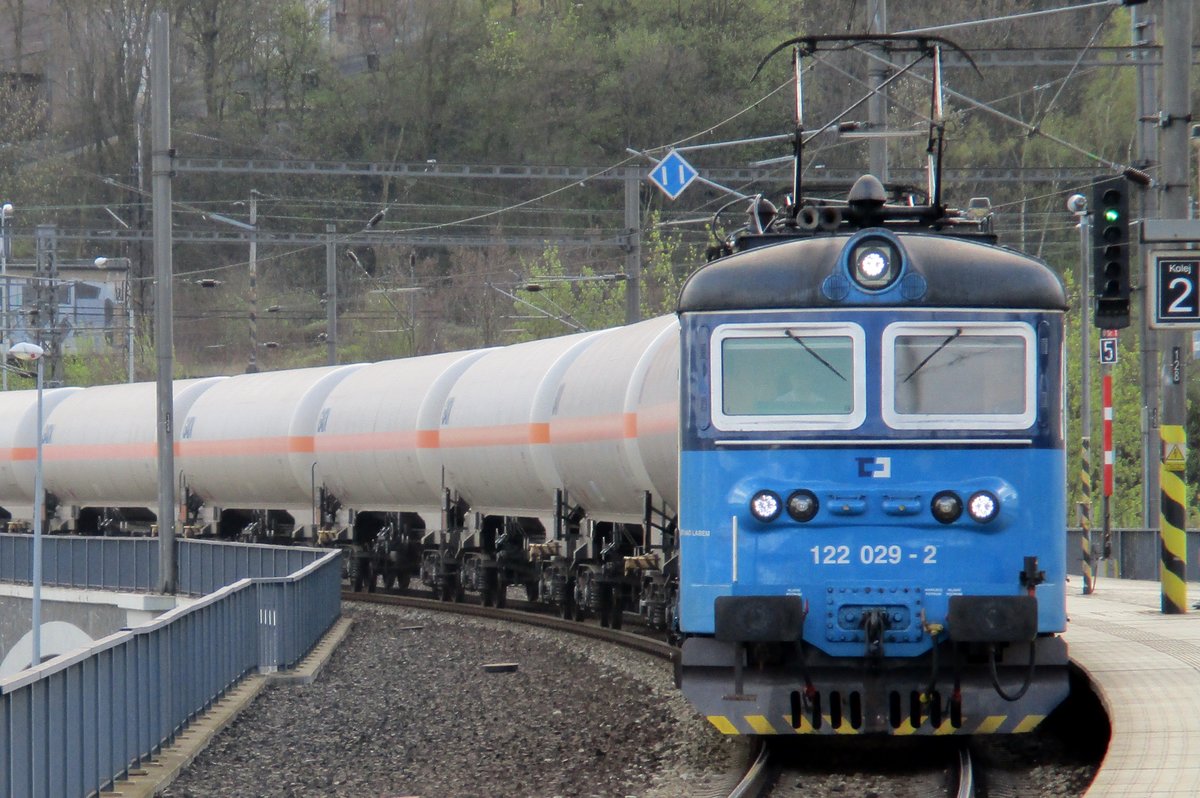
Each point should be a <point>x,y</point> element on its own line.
<point>946,507</point>
<point>875,264</point>
<point>766,505</point>
<point>983,506</point>
<point>802,505</point>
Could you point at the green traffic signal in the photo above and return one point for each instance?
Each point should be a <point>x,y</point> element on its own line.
<point>1112,215</point>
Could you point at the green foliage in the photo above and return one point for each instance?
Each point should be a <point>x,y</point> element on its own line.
<point>590,299</point>
<point>523,82</point>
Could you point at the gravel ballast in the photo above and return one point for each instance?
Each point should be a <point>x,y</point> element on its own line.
<point>405,707</point>
<point>402,711</point>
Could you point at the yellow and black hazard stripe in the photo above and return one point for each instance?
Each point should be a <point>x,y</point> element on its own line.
<point>1173,519</point>
<point>985,724</point>
<point>1085,514</point>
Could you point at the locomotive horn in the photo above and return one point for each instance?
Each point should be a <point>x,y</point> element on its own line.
<point>809,218</point>
<point>829,219</point>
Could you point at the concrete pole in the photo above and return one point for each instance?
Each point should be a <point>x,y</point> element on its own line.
<point>6,212</point>
<point>252,365</point>
<point>47,293</point>
<point>331,319</point>
<point>1085,401</point>
<point>633,245</point>
<point>129,323</point>
<point>877,105</point>
<point>160,166</point>
<point>39,510</point>
<point>1147,151</point>
<point>1174,118</point>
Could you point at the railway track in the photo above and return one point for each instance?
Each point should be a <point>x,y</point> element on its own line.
<point>646,645</point>
<point>788,767</point>
<point>819,769</point>
<point>763,771</point>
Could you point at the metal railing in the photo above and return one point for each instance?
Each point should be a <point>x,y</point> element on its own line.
<point>98,563</point>
<point>1136,553</point>
<point>75,724</point>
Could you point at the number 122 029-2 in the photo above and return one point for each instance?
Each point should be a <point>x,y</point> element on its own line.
<point>872,555</point>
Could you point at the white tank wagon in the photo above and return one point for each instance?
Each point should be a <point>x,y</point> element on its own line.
<point>500,481</point>
<point>247,454</point>
<point>100,450</point>
<point>18,451</point>
<point>379,475</point>
<point>376,435</point>
<point>550,464</point>
<point>614,440</point>
<point>546,448</point>
<point>615,421</point>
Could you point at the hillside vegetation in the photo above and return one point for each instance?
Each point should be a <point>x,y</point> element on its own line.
<point>527,83</point>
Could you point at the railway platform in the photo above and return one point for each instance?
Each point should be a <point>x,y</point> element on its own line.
<point>1145,667</point>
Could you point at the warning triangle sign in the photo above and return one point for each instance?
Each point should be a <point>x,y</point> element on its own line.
<point>1175,459</point>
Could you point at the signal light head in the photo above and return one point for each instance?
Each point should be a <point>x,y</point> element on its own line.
<point>1110,252</point>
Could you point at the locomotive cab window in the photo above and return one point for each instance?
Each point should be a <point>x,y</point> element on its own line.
<point>959,375</point>
<point>795,377</point>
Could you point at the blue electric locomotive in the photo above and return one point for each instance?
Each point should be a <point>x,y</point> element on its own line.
<point>872,479</point>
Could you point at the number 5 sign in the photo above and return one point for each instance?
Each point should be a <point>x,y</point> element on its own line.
<point>1176,295</point>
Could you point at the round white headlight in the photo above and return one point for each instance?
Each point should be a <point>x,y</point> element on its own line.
<point>766,505</point>
<point>983,506</point>
<point>875,264</point>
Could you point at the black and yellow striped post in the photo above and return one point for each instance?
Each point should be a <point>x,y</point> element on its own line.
<point>1085,514</point>
<point>1173,520</point>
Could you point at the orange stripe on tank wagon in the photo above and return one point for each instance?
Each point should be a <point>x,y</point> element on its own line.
<point>503,435</point>
<point>99,451</point>
<point>583,429</point>
<point>659,419</point>
<point>587,429</point>
<point>370,441</point>
<point>18,453</point>
<point>243,447</point>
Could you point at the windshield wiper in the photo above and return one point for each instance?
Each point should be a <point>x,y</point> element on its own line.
<point>929,357</point>
<point>809,349</point>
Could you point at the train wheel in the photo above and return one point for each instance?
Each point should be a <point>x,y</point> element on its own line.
<point>501,594</point>
<point>581,596</point>
<point>568,605</point>
<point>490,590</point>
<point>617,612</point>
<point>606,597</point>
<point>531,591</point>
<point>389,579</point>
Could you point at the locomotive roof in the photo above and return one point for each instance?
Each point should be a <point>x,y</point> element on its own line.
<point>789,274</point>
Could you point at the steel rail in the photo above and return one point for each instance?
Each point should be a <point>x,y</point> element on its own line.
<point>966,774</point>
<point>757,777</point>
<point>646,645</point>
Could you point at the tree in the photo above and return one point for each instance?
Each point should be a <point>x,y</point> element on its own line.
<point>219,34</point>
